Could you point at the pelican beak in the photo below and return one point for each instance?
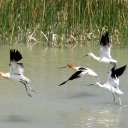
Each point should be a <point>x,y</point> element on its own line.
<point>63,67</point>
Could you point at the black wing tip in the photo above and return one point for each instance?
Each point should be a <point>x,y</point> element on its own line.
<point>15,55</point>
<point>118,72</point>
<point>125,66</point>
<point>106,33</point>
<point>105,39</point>
<point>63,82</point>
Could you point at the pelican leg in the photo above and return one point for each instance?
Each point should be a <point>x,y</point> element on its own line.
<point>24,83</point>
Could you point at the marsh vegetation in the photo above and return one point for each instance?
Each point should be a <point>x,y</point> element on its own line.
<point>62,22</point>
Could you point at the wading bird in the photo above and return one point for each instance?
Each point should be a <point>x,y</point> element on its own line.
<point>80,71</point>
<point>72,66</point>
<point>105,50</point>
<point>17,70</point>
<point>113,82</point>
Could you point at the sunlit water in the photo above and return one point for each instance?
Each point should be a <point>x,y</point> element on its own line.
<point>73,105</point>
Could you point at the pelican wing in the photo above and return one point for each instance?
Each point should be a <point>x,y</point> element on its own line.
<point>15,55</point>
<point>16,68</point>
<point>105,46</point>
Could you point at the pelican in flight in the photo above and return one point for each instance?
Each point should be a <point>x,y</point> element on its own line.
<point>113,82</point>
<point>17,70</point>
<point>80,71</point>
<point>105,50</point>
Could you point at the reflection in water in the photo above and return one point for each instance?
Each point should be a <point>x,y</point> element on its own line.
<point>103,117</point>
<point>16,118</point>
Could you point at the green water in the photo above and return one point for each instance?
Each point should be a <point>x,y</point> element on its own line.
<point>73,105</point>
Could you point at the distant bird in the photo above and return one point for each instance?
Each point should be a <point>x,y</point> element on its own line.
<point>113,82</point>
<point>17,70</point>
<point>105,50</point>
<point>80,71</point>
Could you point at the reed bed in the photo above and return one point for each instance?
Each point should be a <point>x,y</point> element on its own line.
<point>62,22</point>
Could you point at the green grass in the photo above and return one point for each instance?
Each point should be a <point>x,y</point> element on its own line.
<point>70,21</point>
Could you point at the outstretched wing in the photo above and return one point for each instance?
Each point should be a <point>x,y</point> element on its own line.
<point>105,46</point>
<point>76,75</point>
<point>118,72</point>
<point>15,55</point>
<point>105,39</point>
<point>113,78</point>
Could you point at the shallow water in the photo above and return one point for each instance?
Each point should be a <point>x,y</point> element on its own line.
<point>73,105</point>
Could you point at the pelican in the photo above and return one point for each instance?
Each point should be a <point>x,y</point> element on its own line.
<point>80,71</point>
<point>113,82</point>
<point>105,50</point>
<point>17,70</point>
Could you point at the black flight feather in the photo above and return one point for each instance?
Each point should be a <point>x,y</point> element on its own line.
<point>105,39</point>
<point>15,55</point>
<point>74,76</point>
<point>118,72</point>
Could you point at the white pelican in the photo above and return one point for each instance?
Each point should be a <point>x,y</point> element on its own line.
<point>113,81</point>
<point>105,50</point>
<point>17,70</point>
<point>80,71</point>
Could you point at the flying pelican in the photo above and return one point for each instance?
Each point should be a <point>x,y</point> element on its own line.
<point>113,82</point>
<point>105,50</point>
<point>80,71</point>
<point>17,70</point>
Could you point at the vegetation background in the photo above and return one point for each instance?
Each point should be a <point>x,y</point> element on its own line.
<point>61,23</point>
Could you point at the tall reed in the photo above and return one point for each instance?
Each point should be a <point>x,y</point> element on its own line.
<point>59,22</point>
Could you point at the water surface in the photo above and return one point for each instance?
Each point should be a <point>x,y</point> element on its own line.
<point>73,105</point>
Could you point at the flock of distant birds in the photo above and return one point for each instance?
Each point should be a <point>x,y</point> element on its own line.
<point>17,71</point>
